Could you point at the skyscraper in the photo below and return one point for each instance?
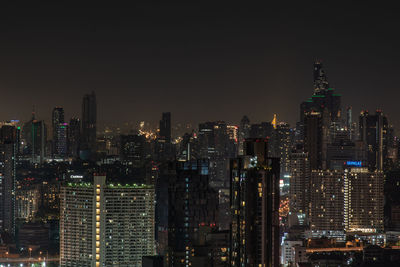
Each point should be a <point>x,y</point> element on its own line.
<point>59,142</point>
<point>255,207</point>
<point>281,143</point>
<point>244,132</point>
<point>35,134</point>
<point>316,130</point>
<point>89,120</point>
<point>326,200</point>
<point>214,144</point>
<point>7,186</point>
<point>74,137</point>
<point>299,188</point>
<point>373,132</point>
<point>192,211</point>
<point>323,97</point>
<point>106,224</point>
<point>320,80</point>
<point>165,127</point>
<point>132,151</point>
<point>363,200</point>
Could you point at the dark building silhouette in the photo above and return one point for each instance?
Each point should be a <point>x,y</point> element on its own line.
<point>89,120</point>
<point>132,151</point>
<point>215,145</point>
<point>74,137</point>
<point>255,207</point>
<point>192,211</point>
<point>152,261</point>
<point>165,127</point>
<point>323,97</point>
<point>59,132</point>
<point>313,139</point>
<point>262,130</point>
<point>34,133</point>
<point>7,186</point>
<point>373,132</point>
<point>243,133</point>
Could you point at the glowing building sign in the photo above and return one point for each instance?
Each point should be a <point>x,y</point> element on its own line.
<point>354,163</point>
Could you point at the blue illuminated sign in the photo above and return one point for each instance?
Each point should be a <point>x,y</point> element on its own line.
<point>354,163</point>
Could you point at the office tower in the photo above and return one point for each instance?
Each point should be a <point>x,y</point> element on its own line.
<point>165,149</point>
<point>350,124</point>
<point>281,144</point>
<point>373,132</point>
<point>34,133</point>
<point>244,133</point>
<point>192,212</point>
<point>320,80</point>
<point>363,199</point>
<point>326,200</point>
<point>89,120</point>
<point>299,188</point>
<point>58,135</point>
<point>106,224</point>
<point>7,187</point>
<point>132,151</point>
<point>61,144</point>
<point>316,134</point>
<point>165,127</point>
<point>255,207</point>
<point>214,144</point>
<point>74,137</point>
<point>323,97</point>
<point>213,138</point>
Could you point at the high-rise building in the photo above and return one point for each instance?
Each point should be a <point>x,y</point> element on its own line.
<point>165,127</point>
<point>255,207</point>
<point>215,144</point>
<point>316,133</point>
<point>281,144</point>
<point>299,188</point>
<point>59,143</point>
<point>7,187</point>
<point>363,199</point>
<point>34,133</point>
<point>132,151</point>
<point>192,212</point>
<point>320,80</point>
<point>323,97</point>
<point>89,122</point>
<point>373,132</point>
<point>74,137</point>
<point>244,133</point>
<point>326,200</point>
<point>349,199</point>
<point>106,224</point>
<point>27,202</point>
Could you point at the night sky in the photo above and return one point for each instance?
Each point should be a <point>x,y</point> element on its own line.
<point>203,61</point>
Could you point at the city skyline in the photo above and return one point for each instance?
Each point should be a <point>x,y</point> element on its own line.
<point>209,57</point>
<point>189,134</point>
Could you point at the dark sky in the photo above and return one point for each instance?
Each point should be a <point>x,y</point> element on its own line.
<point>201,61</point>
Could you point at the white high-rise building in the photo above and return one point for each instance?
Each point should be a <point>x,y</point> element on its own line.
<point>106,224</point>
<point>363,200</point>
